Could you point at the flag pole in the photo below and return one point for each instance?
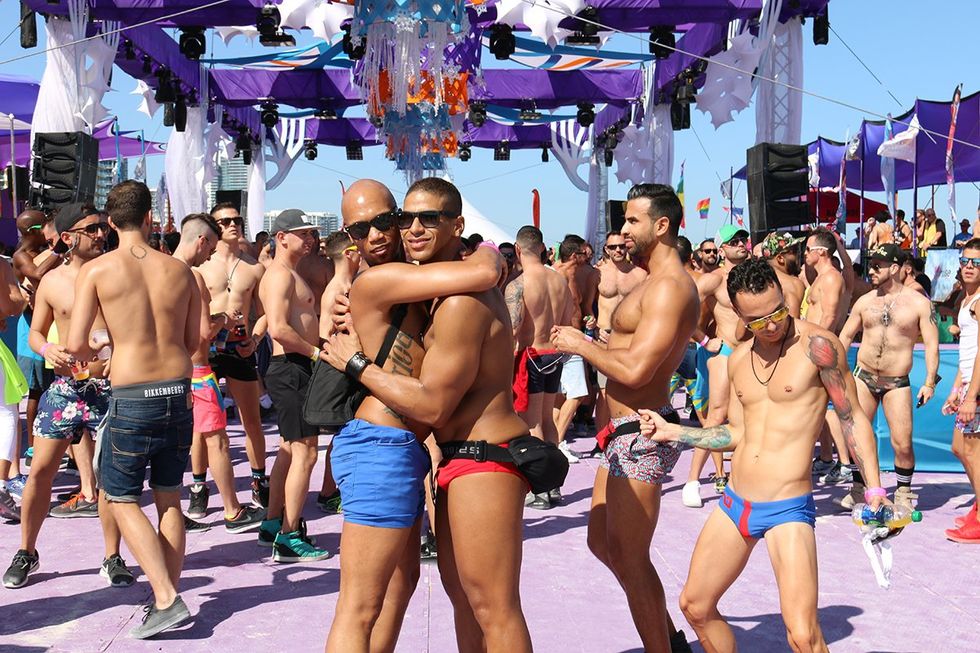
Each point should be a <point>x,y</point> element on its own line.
<point>731,197</point>
<point>915,194</point>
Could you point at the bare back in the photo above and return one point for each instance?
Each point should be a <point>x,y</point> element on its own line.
<point>548,301</point>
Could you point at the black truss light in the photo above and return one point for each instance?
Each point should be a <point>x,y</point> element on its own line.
<point>269,114</point>
<point>309,149</point>
<point>680,115</point>
<point>478,114</point>
<point>586,114</point>
<point>465,152</point>
<point>544,154</point>
<point>270,32</point>
<point>180,113</point>
<point>609,156</point>
<point>147,65</point>
<point>662,41</point>
<point>502,41</point>
<point>501,152</point>
<point>168,114</point>
<point>243,147</point>
<point>355,152</point>
<point>821,28</point>
<point>165,88</point>
<point>192,42</point>
<point>352,50</point>
<point>587,29</point>
<point>128,50</point>
<point>685,91</point>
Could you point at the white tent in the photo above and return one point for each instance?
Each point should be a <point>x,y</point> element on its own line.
<point>476,222</point>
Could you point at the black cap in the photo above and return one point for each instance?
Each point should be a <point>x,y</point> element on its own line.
<point>290,220</point>
<point>71,214</point>
<point>888,252</point>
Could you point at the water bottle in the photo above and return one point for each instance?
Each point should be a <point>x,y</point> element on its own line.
<point>891,517</point>
<point>221,340</point>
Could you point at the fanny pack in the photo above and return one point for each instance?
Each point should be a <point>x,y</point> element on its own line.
<point>332,397</point>
<point>541,463</point>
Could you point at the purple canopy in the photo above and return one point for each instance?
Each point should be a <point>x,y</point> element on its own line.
<point>18,95</point>
<point>342,131</point>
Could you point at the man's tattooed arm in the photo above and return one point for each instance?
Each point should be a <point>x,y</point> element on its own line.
<point>514,296</point>
<point>715,438</point>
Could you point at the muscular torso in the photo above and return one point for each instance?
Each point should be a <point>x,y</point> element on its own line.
<point>59,294</point>
<point>586,281</point>
<point>567,270</point>
<point>232,281</point>
<point>720,306</point>
<point>300,307</point>
<point>624,400</point>
<point>815,297</point>
<point>614,285</point>
<point>316,271</point>
<point>546,297</point>
<point>887,342</point>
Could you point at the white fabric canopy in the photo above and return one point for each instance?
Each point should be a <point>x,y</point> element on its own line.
<point>478,223</point>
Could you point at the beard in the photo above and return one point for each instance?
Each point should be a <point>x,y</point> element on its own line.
<point>793,268</point>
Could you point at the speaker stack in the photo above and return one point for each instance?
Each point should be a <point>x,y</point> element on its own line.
<point>65,168</point>
<point>778,182</point>
<point>615,215</point>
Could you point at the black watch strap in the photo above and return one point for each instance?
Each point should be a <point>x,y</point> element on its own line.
<point>356,365</point>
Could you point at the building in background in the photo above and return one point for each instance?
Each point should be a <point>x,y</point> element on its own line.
<point>232,175</point>
<point>325,222</point>
<point>106,178</point>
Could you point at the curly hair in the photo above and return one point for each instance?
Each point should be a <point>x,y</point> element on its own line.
<point>754,275</point>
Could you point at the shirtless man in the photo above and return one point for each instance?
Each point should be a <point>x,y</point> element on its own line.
<point>882,233</point>
<point>716,307</point>
<point>71,408</point>
<point>782,252</point>
<point>709,253</point>
<point>617,278</point>
<point>907,275</point>
<point>290,309</point>
<point>379,544</point>
<point>316,270</point>
<point>651,328</point>
<point>538,300</point>
<point>232,277</point>
<point>152,312</point>
<point>198,238</point>
<point>464,391</point>
<point>775,416</point>
<point>892,319</point>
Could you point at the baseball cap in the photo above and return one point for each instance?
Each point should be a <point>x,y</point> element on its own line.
<point>965,221</point>
<point>71,214</point>
<point>888,252</point>
<point>729,231</point>
<point>777,243</point>
<point>290,220</point>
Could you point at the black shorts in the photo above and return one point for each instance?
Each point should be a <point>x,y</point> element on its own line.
<point>286,380</point>
<point>233,366</point>
<point>544,373</point>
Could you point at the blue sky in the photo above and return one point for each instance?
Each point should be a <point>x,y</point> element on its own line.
<point>914,51</point>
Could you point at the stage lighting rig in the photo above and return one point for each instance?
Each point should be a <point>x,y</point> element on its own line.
<point>128,50</point>
<point>544,154</point>
<point>165,88</point>
<point>309,149</point>
<point>502,41</point>
<point>355,152</point>
<point>662,41</point>
<point>243,147</point>
<point>180,113</point>
<point>269,114</point>
<point>680,115</point>
<point>270,32</point>
<point>586,114</point>
<point>685,90</point>
<point>587,31</point>
<point>821,28</point>
<point>478,114</point>
<point>192,43</point>
<point>465,152</point>
<point>501,152</point>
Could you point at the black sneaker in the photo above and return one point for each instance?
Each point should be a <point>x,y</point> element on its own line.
<point>23,565</point>
<point>248,518</point>
<point>329,504</point>
<point>554,496</point>
<point>114,570</point>
<point>260,492</point>
<point>8,509</point>
<point>429,550</point>
<point>156,621</point>
<point>192,526</point>
<point>540,502</point>
<point>198,506</point>
<point>678,643</point>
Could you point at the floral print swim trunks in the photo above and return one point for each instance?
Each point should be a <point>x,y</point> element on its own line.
<point>68,407</point>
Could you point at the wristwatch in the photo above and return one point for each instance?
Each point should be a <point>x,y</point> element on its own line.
<point>356,365</point>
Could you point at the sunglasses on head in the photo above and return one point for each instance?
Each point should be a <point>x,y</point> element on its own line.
<point>775,317</point>
<point>428,219</point>
<point>92,229</point>
<point>967,260</point>
<point>382,222</point>
<point>812,248</point>
<point>620,248</point>
<point>227,222</point>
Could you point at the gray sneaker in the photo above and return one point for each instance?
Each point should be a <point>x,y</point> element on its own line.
<point>156,621</point>
<point>839,474</point>
<point>77,506</point>
<point>114,570</point>
<point>8,509</point>
<point>540,502</point>
<point>821,467</point>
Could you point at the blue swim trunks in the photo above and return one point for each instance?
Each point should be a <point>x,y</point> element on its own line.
<point>754,518</point>
<point>380,472</point>
<point>699,394</point>
<point>68,407</point>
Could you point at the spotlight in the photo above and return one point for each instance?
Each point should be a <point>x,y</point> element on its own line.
<point>269,114</point>
<point>464,152</point>
<point>355,152</point>
<point>680,115</point>
<point>243,147</point>
<point>821,28</point>
<point>586,114</point>
<point>326,113</point>
<point>586,31</point>
<point>270,33</point>
<point>147,65</point>
<point>502,41</point>
<point>609,157</point>
<point>180,113</point>
<point>129,51</point>
<point>247,157</point>
<point>192,43</point>
<point>353,52</point>
<point>28,27</point>
<point>662,41</point>
<point>165,89</point>
<point>377,121</point>
<point>529,115</point>
<point>310,151</point>
<point>478,114</point>
<point>685,90</point>
<point>168,114</point>
<point>501,152</point>
<point>544,154</point>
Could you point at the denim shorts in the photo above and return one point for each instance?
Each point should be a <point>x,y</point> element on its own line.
<point>380,472</point>
<point>151,425</point>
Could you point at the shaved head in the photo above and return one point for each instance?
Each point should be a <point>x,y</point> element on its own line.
<point>30,218</point>
<point>365,199</point>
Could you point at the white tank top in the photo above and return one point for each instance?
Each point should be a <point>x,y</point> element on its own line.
<point>968,339</point>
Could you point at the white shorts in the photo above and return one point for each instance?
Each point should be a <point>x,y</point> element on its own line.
<point>573,383</point>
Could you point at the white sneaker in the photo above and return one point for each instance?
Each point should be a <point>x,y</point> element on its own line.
<point>563,447</point>
<point>691,494</point>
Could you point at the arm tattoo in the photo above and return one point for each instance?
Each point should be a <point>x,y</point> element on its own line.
<point>716,437</point>
<point>515,302</point>
<point>826,357</point>
<point>932,318</point>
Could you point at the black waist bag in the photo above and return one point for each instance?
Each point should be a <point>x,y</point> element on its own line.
<point>332,397</point>
<point>541,463</point>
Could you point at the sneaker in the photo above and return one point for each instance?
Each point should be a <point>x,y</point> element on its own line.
<point>309,539</point>
<point>114,570</point>
<point>596,452</point>
<point>904,497</point>
<point>678,643</point>
<point>28,456</point>
<point>691,494</point>
<point>260,492</point>
<point>8,509</point>
<point>191,526</point>
<point>329,504</point>
<point>198,506</point>
<point>428,549</point>
<point>268,530</point>
<point>64,496</point>
<point>821,466</point>
<point>247,519</point>
<point>962,519</point>
<point>528,499</point>
<point>554,496</point>
<point>854,496</point>
<point>71,467</point>
<point>16,486</point>
<point>540,502</point>
<point>293,547</point>
<point>563,447</point>
<point>77,506</point>
<point>23,565</point>
<point>968,533</point>
<point>721,482</point>
<point>156,621</point>
<point>839,474</point>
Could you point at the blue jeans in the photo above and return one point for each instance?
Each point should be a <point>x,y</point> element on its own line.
<point>147,425</point>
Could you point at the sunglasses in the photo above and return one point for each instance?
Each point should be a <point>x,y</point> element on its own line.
<point>775,317</point>
<point>227,222</point>
<point>709,251</point>
<point>966,260</point>
<point>428,219</point>
<point>92,229</point>
<point>816,247</point>
<point>615,248</point>
<point>736,241</point>
<point>382,222</point>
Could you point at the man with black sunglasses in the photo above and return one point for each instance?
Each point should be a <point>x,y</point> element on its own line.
<point>710,255</point>
<point>232,276</point>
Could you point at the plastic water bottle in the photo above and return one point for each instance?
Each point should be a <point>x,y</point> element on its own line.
<point>221,340</point>
<point>891,517</point>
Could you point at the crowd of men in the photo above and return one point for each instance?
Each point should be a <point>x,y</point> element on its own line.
<point>463,350</point>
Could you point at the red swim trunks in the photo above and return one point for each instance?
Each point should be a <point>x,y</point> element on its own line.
<point>451,469</point>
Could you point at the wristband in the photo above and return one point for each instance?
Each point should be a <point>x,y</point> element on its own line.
<point>872,492</point>
<point>587,337</point>
<point>315,356</point>
<point>44,348</point>
<point>490,244</point>
<point>356,365</point>
<point>704,341</point>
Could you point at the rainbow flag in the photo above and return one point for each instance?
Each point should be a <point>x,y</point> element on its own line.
<point>703,207</point>
<point>680,192</point>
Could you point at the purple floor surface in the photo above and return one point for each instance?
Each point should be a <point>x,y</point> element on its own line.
<point>242,601</point>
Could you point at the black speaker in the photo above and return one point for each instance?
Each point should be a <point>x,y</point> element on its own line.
<point>236,197</point>
<point>65,169</point>
<point>615,215</point>
<point>16,175</point>
<point>778,182</point>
